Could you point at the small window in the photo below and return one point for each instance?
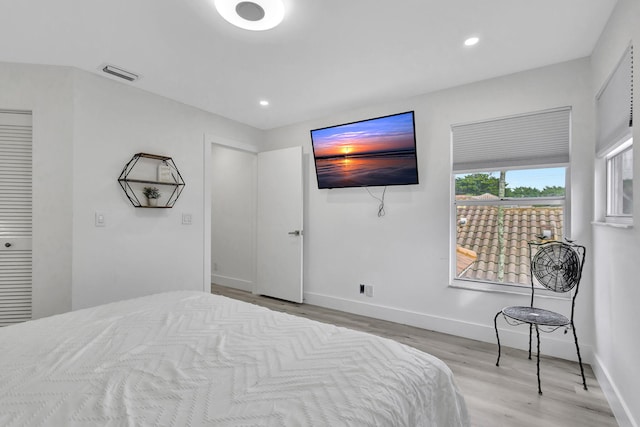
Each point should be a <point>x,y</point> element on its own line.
<point>620,183</point>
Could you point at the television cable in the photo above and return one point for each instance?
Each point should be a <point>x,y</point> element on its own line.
<point>381,211</point>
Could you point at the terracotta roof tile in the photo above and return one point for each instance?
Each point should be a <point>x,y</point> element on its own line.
<point>464,259</point>
<point>521,224</point>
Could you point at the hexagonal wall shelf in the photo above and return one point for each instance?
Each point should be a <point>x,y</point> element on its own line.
<point>152,175</point>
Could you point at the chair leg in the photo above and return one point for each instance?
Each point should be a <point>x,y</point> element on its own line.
<point>538,362</point>
<point>530,336</point>
<point>495,325</point>
<point>575,336</point>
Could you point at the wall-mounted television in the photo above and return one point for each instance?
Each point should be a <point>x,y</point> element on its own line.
<point>374,152</point>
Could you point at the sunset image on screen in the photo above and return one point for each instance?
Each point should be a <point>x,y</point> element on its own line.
<point>372,152</point>
<point>387,134</point>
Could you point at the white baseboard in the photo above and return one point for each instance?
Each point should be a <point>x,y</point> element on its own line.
<point>232,282</point>
<point>510,336</point>
<point>618,406</point>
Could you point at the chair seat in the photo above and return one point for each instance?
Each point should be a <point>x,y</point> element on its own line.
<point>537,316</point>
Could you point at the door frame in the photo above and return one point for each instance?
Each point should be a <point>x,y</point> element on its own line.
<point>208,141</point>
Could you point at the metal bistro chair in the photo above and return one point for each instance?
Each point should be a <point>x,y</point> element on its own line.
<point>558,267</point>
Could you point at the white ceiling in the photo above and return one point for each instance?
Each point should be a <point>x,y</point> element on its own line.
<point>326,56</point>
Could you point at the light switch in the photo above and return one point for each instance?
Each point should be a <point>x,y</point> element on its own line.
<point>186,219</point>
<point>100,220</point>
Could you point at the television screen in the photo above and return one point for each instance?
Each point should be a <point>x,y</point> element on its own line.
<point>374,152</point>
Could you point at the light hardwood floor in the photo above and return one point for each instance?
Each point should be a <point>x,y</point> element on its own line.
<point>495,396</point>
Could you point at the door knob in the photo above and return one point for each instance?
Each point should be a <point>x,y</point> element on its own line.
<point>7,245</point>
<point>295,232</point>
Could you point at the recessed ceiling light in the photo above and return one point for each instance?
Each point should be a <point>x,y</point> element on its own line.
<point>254,15</point>
<point>471,41</point>
<point>264,102</point>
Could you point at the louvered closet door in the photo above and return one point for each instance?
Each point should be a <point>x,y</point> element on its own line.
<point>15,217</point>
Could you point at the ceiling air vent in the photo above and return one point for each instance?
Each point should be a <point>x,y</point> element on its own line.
<point>119,72</point>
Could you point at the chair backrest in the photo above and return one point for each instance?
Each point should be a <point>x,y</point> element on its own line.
<point>556,265</point>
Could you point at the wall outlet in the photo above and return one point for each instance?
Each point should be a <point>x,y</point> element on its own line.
<point>368,290</point>
<point>215,266</point>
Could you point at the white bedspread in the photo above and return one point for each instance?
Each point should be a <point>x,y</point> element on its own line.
<point>191,359</point>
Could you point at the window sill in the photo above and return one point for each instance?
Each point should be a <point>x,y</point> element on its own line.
<point>506,289</point>
<point>612,224</point>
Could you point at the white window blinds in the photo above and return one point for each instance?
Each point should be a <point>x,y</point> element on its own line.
<point>533,139</point>
<point>614,105</point>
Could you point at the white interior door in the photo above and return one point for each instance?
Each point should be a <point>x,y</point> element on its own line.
<point>15,217</point>
<point>279,224</point>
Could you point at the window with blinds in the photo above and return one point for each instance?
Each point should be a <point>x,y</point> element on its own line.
<point>509,188</point>
<point>15,216</point>
<point>614,143</point>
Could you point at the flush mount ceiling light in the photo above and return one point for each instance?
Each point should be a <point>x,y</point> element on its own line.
<point>254,15</point>
<point>471,41</point>
<point>264,103</point>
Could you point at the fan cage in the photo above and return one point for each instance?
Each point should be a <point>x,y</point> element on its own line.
<point>557,267</point>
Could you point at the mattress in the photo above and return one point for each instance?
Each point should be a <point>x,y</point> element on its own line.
<point>195,359</point>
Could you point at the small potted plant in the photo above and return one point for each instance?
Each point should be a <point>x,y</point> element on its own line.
<point>152,194</point>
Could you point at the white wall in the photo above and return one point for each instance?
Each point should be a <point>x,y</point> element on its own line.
<point>140,251</point>
<point>86,128</point>
<point>233,217</point>
<point>405,254</point>
<point>47,92</point>
<point>616,290</point>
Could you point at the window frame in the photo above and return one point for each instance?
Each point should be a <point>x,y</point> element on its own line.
<point>623,146</point>
<point>513,288</point>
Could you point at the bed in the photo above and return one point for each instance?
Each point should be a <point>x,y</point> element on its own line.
<point>193,359</point>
